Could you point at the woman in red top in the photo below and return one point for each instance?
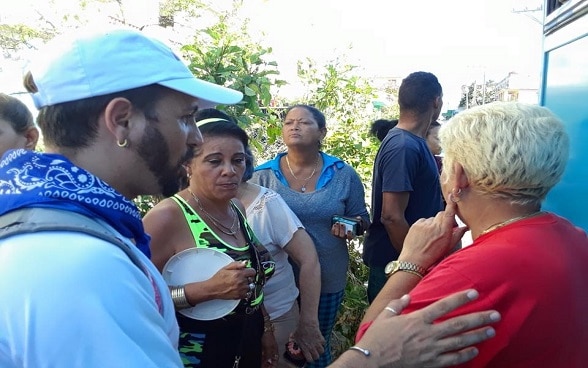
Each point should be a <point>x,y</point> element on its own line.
<point>500,162</point>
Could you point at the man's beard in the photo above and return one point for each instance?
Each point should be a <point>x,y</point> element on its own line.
<point>155,153</point>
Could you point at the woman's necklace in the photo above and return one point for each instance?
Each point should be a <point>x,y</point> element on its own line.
<point>509,221</point>
<point>236,226</point>
<point>303,188</point>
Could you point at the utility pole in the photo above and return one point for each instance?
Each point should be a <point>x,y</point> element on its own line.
<point>466,90</point>
<point>484,89</point>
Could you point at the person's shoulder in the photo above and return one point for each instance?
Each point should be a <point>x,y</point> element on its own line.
<point>271,197</point>
<point>265,166</point>
<point>330,161</point>
<point>272,164</point>
<point>240,206</point>
<point>77,281</point>
<point>398,138</point>
<point>263,170</point>
<point>338,164</point>
<point>70,253</point>
<point>404,143</point>
<point>163,214</point>
<point>267,200</point>
<point>263,176</point>
<point>265,192</point>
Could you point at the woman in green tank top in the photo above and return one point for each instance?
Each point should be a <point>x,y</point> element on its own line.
<point>206,215</point>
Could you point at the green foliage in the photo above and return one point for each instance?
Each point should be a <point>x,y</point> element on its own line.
<point>346,100</point>
<point>168,8</point>
<point>225,55</point>
<point>145,203</point>
<point>354,303</point>
<point>14,38</point>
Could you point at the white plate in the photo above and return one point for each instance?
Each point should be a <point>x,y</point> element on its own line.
<point>199,264</point>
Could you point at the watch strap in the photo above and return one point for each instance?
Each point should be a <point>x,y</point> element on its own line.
<point>410,268</point>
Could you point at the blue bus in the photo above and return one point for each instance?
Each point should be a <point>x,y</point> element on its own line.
<point>564,90</point>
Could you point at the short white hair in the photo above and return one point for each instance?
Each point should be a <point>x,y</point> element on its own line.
<point>508,150</point>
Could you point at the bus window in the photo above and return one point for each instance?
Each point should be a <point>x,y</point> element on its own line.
<point>564,90</point>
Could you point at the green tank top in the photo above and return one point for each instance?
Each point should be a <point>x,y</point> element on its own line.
<point>256,255</point>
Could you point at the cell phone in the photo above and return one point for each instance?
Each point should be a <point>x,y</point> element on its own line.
<point>351,224</point>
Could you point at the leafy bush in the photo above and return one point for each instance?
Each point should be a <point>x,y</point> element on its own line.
<point>354,302</point>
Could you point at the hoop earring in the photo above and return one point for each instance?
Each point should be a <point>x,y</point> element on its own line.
<point>454,197</point>
<point>124,143</point>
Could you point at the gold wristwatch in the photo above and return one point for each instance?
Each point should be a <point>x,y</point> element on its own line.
<point>395,266</point>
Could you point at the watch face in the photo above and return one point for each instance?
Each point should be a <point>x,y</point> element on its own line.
<point>390,267</point>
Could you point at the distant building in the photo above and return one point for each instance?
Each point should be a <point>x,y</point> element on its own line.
<point>518,87</point>
<point>386,91</point>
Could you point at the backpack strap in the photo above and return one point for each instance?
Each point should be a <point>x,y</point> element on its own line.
<point>38,219</point>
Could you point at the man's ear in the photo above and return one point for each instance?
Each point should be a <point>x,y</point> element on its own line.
<point>117,114</point>
<point>32,136</point>
<point>437,102</point>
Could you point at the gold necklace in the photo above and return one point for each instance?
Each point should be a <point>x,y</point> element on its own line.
<point>509,221</point>
<point>303,188</point>
<point>235,226</point>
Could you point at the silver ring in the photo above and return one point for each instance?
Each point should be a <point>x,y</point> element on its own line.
<point>252,286</point>
<point>248,295</point>
<point>390,309</point>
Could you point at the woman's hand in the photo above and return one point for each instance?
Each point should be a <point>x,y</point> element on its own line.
<point>310,340</point>
<point>417,341</point>
<point>269,350</point>
<point>232,281</point>
<point>338,230</point>
<point>429,240</point>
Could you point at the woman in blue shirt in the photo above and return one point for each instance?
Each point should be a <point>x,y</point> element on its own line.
<point>317,186</point>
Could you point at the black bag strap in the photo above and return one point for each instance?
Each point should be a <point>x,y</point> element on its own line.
<point>38,219</point>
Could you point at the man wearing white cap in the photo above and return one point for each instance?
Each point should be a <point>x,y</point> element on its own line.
<point>116,115</point>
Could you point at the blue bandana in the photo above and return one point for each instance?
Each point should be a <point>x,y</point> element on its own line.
<point>33,179</point>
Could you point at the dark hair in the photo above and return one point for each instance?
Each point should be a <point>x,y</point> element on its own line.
<point>213,113</point>
<point>418,91</point>
<point>380,128</point>
<point>16,113</point>
<point>434,124</point>
<point>316,114</point>
<point>249,164</point>
<point>74,124</point>
<point>222,128</point>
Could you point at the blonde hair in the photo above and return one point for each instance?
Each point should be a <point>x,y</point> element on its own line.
<point>508,150</point>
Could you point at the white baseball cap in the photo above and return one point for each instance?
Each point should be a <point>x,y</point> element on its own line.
<point>73,68</point>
